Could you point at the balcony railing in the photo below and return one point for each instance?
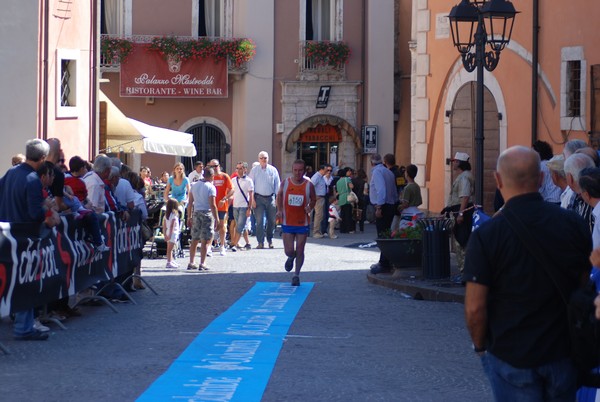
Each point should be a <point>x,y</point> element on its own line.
<point>112,64</point>
<point>318,58</point>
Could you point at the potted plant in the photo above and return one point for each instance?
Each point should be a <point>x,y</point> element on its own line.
<point>326,53</point>
<point>403,247</point>
<point>115,50</point>
<point>175,50</point>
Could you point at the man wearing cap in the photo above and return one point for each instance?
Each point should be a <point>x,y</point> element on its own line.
<point>196,174</point>
<point>459,203</point>
<point>556,167</point>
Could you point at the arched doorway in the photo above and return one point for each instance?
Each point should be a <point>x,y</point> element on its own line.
<point>463,125</point>
<point>210,144</point>
<point>319,145</point>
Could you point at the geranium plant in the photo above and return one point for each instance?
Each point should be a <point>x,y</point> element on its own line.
<point>115,49</point>
<point>410,231</point>
<point>326,53</point>
<point>239,51</point>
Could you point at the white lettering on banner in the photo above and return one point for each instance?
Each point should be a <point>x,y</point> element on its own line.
<point>295,200</point>
<point>36,263</point>
<point>236,353</point>
<point>194,91</point>
<point>184,79</point>
<point>150,91</point>
<point>282,290</point>
<point>215,389</point>
<point>144,79</point>
<point>256,325</point>
<point>270,306</point>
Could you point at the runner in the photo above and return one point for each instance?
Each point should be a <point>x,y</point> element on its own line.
<point>296,199</point>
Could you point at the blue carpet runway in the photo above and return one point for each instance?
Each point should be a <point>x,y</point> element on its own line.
<point>232,359</point>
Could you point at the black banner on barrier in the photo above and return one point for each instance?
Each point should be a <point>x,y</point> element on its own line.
<point>36,271</point>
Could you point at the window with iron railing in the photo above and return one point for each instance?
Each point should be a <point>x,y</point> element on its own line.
<point>574,88</point>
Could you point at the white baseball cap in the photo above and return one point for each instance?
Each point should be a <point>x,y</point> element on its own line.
<point>461,156</point>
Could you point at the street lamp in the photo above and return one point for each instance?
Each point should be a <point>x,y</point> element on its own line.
<point>481,24</point>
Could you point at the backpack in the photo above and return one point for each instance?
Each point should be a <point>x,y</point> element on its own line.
<point>584,333</point>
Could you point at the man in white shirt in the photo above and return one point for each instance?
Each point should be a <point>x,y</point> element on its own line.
<point>94,182</point>
<point>318,181</point>
<point>196,174</point>
<point>243,198</point>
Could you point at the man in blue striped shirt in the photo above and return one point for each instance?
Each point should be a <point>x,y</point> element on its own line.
<point>383,195</point>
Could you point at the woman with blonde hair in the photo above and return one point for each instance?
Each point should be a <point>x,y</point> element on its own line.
<point>178,185</point>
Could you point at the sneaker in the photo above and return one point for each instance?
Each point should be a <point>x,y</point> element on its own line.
<point>260,246</point>
<point>318,235</point>
<point>271,245</point>
<point>101,248</point>
<point>333,237</point>
<point>295,280</point>
<point>209,253</point>
<point>192,267</point>
<point>120,299</point>
<point>172,265</point>
<point>203,267</point>
<point>34,335</point>
<point>216,248</point>
<point>222,251</point>
<point>289,264</point>
<point>38,326</point>
<point>233,249</point>
<point>248,246</point>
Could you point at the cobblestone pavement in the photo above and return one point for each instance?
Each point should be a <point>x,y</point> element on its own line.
<point>351,341</point>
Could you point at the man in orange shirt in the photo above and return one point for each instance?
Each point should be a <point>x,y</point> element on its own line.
<point>222,182</point>
<point>296,199</point>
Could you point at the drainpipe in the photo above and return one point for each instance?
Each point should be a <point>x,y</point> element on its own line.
<point>534,72</point>
<point>94,83</point>
<point>43,124</point>
<point>362,70</point>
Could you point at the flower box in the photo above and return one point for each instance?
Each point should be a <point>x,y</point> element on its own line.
<point>402,253</point>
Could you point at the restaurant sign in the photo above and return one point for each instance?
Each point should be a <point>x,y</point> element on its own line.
<point>148,73</point>
<point>322,133</point>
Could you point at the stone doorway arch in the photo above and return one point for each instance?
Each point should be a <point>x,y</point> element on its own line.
<point>462,126</point>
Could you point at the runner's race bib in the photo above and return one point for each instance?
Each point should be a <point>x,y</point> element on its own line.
<point>295,200</point>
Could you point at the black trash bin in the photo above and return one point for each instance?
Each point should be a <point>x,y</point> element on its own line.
<point>436,247</point>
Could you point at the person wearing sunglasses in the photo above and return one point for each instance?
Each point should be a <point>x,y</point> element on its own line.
<point>266,185</point>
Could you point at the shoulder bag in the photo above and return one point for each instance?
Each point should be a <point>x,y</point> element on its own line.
<point>584,331</point>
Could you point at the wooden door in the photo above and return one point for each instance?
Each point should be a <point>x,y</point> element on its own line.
<point>462,135</point>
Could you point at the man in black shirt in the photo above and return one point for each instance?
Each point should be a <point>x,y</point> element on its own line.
<point>514,310</point>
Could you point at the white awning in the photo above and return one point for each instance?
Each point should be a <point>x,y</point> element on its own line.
<point>133,135</point>
<point>164,141</point>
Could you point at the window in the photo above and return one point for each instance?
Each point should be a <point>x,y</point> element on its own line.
<point>212,18</point>
<point>66,83</point>
<point>573,89</point>
<point>320,20</point>
<point>210,144</point>
<point>67,70</point>
<point>115,17</point>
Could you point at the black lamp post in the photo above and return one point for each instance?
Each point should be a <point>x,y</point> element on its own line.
<point>483,24</point>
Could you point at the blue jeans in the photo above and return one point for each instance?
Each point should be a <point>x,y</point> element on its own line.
<point>23,324</point>
<point>265,206</point>
<point>554,381</point>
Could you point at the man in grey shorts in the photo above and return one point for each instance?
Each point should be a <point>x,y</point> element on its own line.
<point>204,219</point>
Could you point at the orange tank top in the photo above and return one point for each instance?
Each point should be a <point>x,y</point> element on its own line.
<point>295,199</point>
